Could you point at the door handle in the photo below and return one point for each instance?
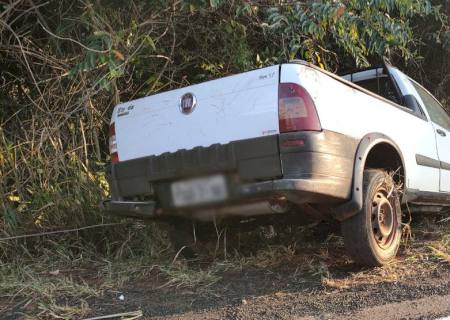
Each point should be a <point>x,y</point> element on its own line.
<point>441,132</point>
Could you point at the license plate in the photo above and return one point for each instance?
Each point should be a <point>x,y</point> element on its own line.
<point>199,190</point>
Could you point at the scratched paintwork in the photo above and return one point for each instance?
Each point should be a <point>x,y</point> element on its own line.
<point>238,107</point>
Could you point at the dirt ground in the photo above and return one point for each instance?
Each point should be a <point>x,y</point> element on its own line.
<point>287,294</point>
<point>313,280</point>
<point>416,286</point>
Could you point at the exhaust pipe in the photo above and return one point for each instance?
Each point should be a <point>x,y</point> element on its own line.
<point>278,206</point>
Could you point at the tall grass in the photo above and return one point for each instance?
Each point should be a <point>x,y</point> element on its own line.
<point>64,66</point>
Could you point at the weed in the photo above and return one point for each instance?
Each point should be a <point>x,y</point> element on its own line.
<point>53,295</point>
<point>181,275</point>
<point>269,256</point>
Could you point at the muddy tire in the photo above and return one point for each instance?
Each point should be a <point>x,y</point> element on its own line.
<point>372,237</point>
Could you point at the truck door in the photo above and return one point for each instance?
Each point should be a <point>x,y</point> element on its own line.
<point>425,172</point>
<point>441,123</point>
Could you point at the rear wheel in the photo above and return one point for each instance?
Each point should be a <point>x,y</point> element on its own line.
<point>372,237</point>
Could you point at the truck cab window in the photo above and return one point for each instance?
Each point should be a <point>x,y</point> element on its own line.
<point>376,81</point>
<point>382,86</point>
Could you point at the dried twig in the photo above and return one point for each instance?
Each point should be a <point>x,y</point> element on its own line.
<point>71,40</point>
<point>62,231</point>
<point>130,316</point>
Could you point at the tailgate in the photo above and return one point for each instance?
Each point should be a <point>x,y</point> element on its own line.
<point>234,108</point>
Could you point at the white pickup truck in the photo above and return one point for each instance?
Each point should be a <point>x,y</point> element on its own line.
<point>282,139</point>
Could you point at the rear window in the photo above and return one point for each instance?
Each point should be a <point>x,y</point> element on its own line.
<point>382,86</point>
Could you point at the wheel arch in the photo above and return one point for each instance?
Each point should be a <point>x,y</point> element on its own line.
<point>385,154</point>
<point>369,154</point>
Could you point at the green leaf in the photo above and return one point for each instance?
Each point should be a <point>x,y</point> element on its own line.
<point>149,41</point>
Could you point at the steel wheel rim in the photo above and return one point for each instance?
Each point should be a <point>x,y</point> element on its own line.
<point>383,218</point>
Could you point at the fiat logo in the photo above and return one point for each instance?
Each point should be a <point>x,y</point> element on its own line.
<point>187,103</point>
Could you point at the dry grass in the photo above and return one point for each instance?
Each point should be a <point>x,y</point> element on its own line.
<point>66,290</point>
<point>440,249</point>
<point>268,257</point>
<point>45,294</point>
<point>180,275</point>
<point>68,273</point>
<point>420,256</point>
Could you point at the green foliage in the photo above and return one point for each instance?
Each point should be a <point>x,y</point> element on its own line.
<point>325,31</point>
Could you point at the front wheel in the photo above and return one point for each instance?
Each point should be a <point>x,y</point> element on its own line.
<point>372,237</point>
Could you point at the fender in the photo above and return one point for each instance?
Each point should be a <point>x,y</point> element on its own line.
<point>352,207</point>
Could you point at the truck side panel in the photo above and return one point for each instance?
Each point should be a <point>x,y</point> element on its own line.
<point>349,111</point>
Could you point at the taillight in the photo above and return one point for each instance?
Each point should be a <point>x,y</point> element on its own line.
<point>113,144</point>
<point>296,109</point>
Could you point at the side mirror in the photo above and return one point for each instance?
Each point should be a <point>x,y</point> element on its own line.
<point>411,103</point>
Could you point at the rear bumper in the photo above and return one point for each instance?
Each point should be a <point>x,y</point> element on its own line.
<point>305,167</point>
<point>297,191</point>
